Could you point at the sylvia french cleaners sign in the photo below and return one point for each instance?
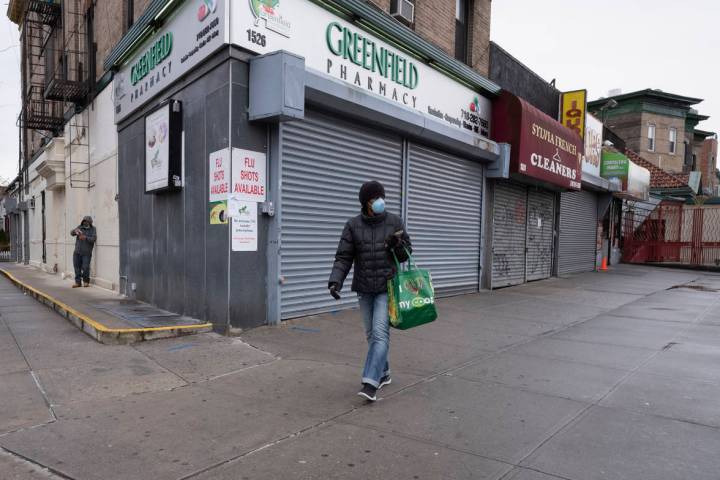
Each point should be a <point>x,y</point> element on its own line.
<point>189,35</point>
<point>346,53</point>
<point>540,147</point>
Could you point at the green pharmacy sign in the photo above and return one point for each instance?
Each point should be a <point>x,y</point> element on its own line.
<point>152,57</point>
<point>365,53</point>
<point>614,165</point>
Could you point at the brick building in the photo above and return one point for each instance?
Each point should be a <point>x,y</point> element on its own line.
<point>659,125</point>
<point>708,165</point>
<point>68,164</point>
<point>460,28</point>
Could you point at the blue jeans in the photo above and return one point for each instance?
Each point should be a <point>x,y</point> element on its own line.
<point>82,267</point>
<point>374,309</point>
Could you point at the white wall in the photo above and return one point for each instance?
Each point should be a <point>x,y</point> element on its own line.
<point>92,191</point>
<point>90,155</point>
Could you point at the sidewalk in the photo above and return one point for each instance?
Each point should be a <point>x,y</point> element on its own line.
<point>599,376</point>
<point>104,315</point>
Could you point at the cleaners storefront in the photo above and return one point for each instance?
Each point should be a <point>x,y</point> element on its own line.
<point>277,131</point>
<point>545,158</point>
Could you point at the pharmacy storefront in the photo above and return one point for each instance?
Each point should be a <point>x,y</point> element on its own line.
<point>257,133</point>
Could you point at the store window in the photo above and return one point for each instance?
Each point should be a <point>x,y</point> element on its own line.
<point>673,140</point>
<point>462,30</point>
<point>651,137</point>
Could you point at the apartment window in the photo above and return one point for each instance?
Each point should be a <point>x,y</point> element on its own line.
<point>462,30</point>
<point>651,137</point>
<point>673,140</point>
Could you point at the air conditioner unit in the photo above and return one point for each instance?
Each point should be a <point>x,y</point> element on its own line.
<point>403,10</point>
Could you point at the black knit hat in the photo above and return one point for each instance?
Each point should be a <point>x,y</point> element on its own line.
<point>370,190</point>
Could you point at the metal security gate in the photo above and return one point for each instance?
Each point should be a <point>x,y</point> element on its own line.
<point>540,228</point>
<point>509,234</point>
<point>444,216</point>
<point>578,232</point>
<point>324,161</point>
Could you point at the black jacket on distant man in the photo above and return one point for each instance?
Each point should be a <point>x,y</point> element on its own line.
<point>84,244</point>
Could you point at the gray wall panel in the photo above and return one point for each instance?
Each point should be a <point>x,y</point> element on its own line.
<point>178,261</point>
<point>248,289</point>
<point>217,117</point>
<point>195,205</point>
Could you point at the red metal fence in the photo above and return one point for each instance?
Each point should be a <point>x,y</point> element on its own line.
<point>671,232</point>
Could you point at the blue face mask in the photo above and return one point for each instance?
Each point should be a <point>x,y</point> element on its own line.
<point>378,206</point>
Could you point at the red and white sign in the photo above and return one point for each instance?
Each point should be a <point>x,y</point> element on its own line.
<point>219,175</point>
<point>249,175</point>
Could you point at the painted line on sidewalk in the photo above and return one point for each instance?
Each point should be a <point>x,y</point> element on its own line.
<point>93,327</point>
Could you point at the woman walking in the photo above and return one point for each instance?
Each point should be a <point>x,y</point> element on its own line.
<point>368,241</point>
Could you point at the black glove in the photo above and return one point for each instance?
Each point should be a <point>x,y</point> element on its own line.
<point>334,291</point>
<point>394,240</point>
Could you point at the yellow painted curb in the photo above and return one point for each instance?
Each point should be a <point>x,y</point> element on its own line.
<point>93,323</point>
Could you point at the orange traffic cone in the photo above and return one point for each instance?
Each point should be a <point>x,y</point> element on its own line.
<point>603,265</point>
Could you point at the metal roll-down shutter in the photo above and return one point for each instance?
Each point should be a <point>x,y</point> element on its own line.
<point>578,232</point>
<point>540,228</point>
<point>509,234</point>
<point>444,217</point>
<point>324,161</point>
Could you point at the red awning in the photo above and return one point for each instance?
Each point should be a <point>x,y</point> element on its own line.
<point>541,148</point>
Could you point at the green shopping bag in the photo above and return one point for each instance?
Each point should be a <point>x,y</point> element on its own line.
<point>411,297</point>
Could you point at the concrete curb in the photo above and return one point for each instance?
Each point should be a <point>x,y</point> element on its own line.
<point>103,333</point>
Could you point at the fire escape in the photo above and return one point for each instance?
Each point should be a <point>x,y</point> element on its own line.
<point>38,113</point>
<point>56,78</point>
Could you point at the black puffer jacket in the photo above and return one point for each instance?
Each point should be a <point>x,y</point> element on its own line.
<point>363,242</point>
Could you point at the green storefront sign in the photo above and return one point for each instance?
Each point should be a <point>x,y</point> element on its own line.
<point>365,53</point>
<point>152,57</point>
<point>614,165</point>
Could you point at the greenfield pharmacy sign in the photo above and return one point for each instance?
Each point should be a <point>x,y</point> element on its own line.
<point>152,57</point>
<point>191,33</point>
<point>344,52</point>
<point>353,46</point>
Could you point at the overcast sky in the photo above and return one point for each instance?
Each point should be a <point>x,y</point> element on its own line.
<point>598,45</point>
<point>9,95</point>
<point>627,44</point>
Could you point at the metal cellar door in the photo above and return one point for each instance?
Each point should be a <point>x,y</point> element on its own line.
<point>578,232</point>
<point>443,218</point>
<point>324,161</point>
<point>509,234</point>
<point>540,227</point>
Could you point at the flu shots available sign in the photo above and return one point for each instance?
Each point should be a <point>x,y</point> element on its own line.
<point>249,175</point>
<point>219,175</point>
